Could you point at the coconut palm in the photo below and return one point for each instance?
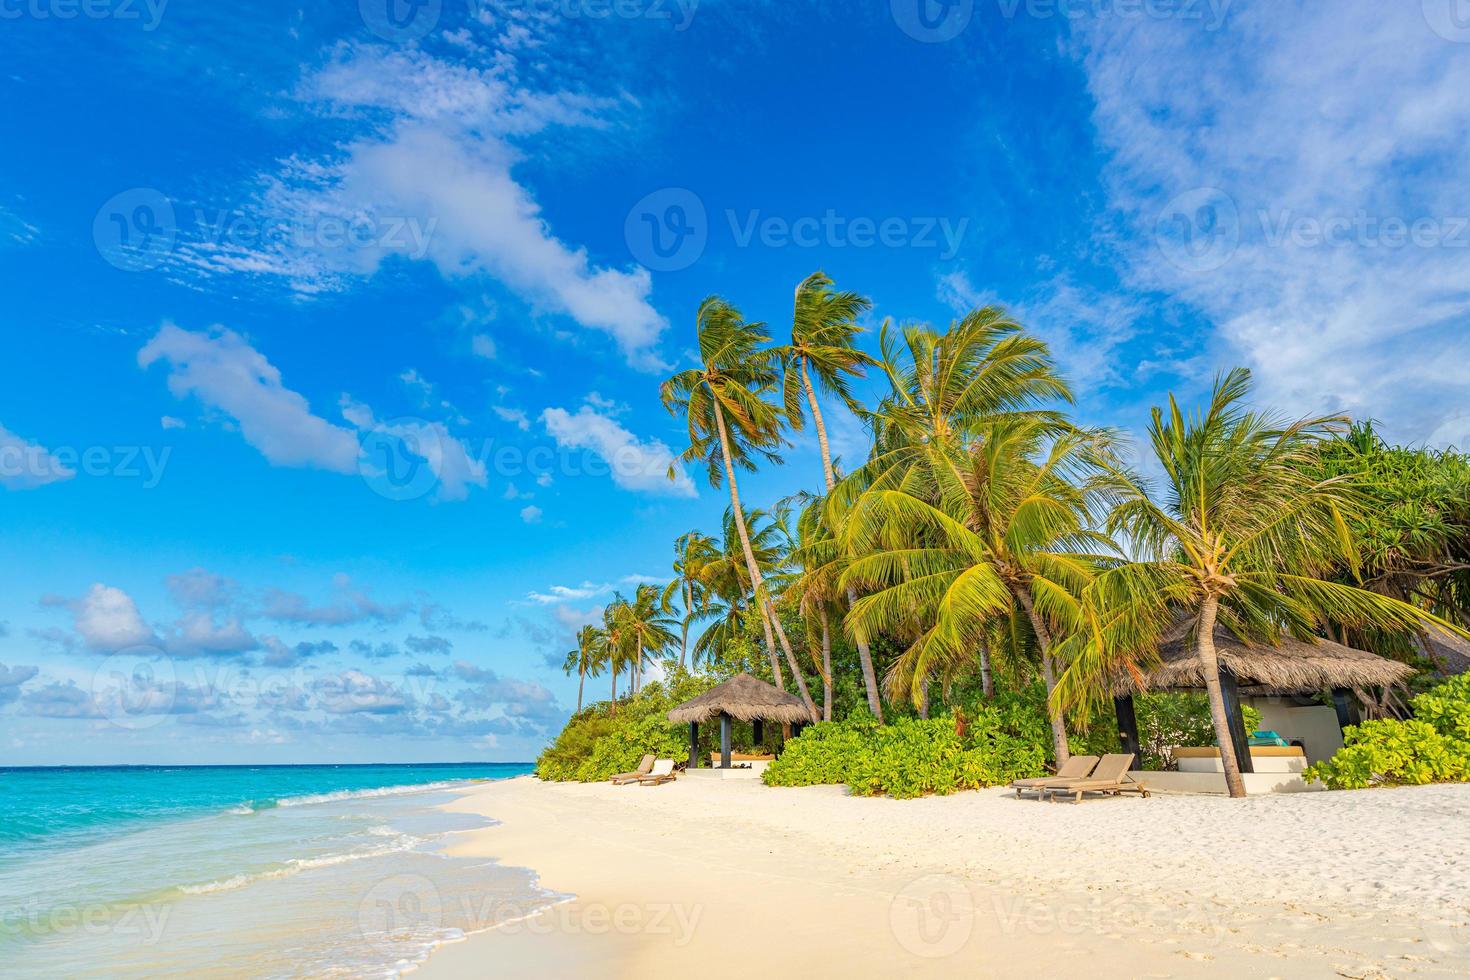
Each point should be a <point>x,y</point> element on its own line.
<point>646,629</point>
<point>725,579</point>
<point>1242,531</point>
<point>823,351</point>
<point>691,551</point>
<point>731,425</point>
<point>1009,532</point>
<point>586,659</point>
<point>612,652</point>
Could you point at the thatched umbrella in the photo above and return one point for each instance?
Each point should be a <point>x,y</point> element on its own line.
<point>744,697</point>
<point>1289,666</point>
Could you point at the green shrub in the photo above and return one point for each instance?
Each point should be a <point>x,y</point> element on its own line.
<point>1433,747</point>
<point>908,758</point>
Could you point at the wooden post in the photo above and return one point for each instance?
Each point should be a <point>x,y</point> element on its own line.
<point>724,741</point>
<point>694,745</point>
<point>1346,706</point>
<point>759,733</point>
<point>1128,728</point>
<point>1231,692</point>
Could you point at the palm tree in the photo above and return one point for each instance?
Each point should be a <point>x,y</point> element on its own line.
<point>823,331</point>
<point>586,659</point>
<point>731,424</point>
<point>1245,528</point>
<point>1005,528</point>
<point>612,652</point>
<point>691,551</point>
<point>725,579</point>
<point>645,629</point>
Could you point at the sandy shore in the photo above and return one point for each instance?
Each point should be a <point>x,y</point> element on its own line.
<point>727,878</point>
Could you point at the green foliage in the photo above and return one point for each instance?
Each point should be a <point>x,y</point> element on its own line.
<point>908,758</point>
<point>1433,747</point>
<point>594,746</point>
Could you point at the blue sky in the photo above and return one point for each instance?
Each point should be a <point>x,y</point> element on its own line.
<point>248,253</point>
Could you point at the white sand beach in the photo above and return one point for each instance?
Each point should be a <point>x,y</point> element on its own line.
<point>726,878</point>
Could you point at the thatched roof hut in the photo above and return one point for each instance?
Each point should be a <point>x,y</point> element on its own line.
<point>1291,666</point>
<point>745,698</point>
<point>1449,653</point>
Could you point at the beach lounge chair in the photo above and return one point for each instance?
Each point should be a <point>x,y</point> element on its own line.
<point>623,778</point>
<point>1077,767</point>
<point>1111,777</point>
<point>662,772</point>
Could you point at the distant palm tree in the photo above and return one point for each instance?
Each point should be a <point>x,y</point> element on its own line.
<point>725,579</point>
<point>691,552</point>
<point>612,653</point>
<point>1239,538</point>
<point>645,629</point>
<point>823,349</point>
<point>730,425</point>
<point>586,659</point>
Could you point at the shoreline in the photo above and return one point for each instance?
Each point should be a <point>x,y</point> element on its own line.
<point>732,877</point>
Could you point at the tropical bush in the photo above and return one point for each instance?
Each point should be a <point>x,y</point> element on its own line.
<point>594,744</point>
<point>908,758</point>
<point>1432,747</point>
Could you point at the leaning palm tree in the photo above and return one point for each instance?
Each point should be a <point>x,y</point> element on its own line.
<point>824,353</point>
<point>586,659</point>
<point>1240,536</point>
<point>691,552</point>
<point>1010,531</point>
<point>731,424</point>
<point>612,646</point>
<point>646,629</point>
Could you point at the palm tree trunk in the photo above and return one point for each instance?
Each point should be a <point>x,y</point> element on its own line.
<point>987,683</point>
<point>757,584</point>
<point>638,669</point>
<point>1209,662</point>
<point>684,632</point>
<point>612,706</point>
<point>924,703</point>
<point>1048,675</point>
<point>581,679</point>
<point>826,668</point>
<point>865,654</point>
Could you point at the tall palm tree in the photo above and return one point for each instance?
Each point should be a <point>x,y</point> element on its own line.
<point>731,424</point>
<point>1007,529</point>
<point>823,350</point>
<point>586,659</point>
<point>646,629</point>
<point>1240,536</point>
<point>691,552</point>
<point>726,580</point>
<point>613,647</point>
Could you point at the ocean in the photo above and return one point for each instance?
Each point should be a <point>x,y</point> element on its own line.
<point>262,871</point>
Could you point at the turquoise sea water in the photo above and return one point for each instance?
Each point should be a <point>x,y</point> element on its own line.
<point>234,870</point>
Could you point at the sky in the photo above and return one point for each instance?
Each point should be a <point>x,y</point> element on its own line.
<point>334,331</point>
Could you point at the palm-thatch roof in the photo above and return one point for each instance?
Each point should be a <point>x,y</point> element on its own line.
<point>1291,666</point>
<point>1450,653</point>
<point>744,697</point>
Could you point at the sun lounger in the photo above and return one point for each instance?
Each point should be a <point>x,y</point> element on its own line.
<point>1111,777</point>
<point>662,772</point>
<point>1077,767</point>
<point>623,778</point>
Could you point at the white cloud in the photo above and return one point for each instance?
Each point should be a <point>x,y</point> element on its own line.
<point>25,465</point>
<point>170,422</point>
<point>531,514</point>
<point>431,178</point>
<point>514,415</point>
<point>1302,115</point>
<point>634,464</point>
<point>107,619</point>
<point>451,460</point>
<point>483,345</point>
<point>567,593</point>
<point>224,372</point>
